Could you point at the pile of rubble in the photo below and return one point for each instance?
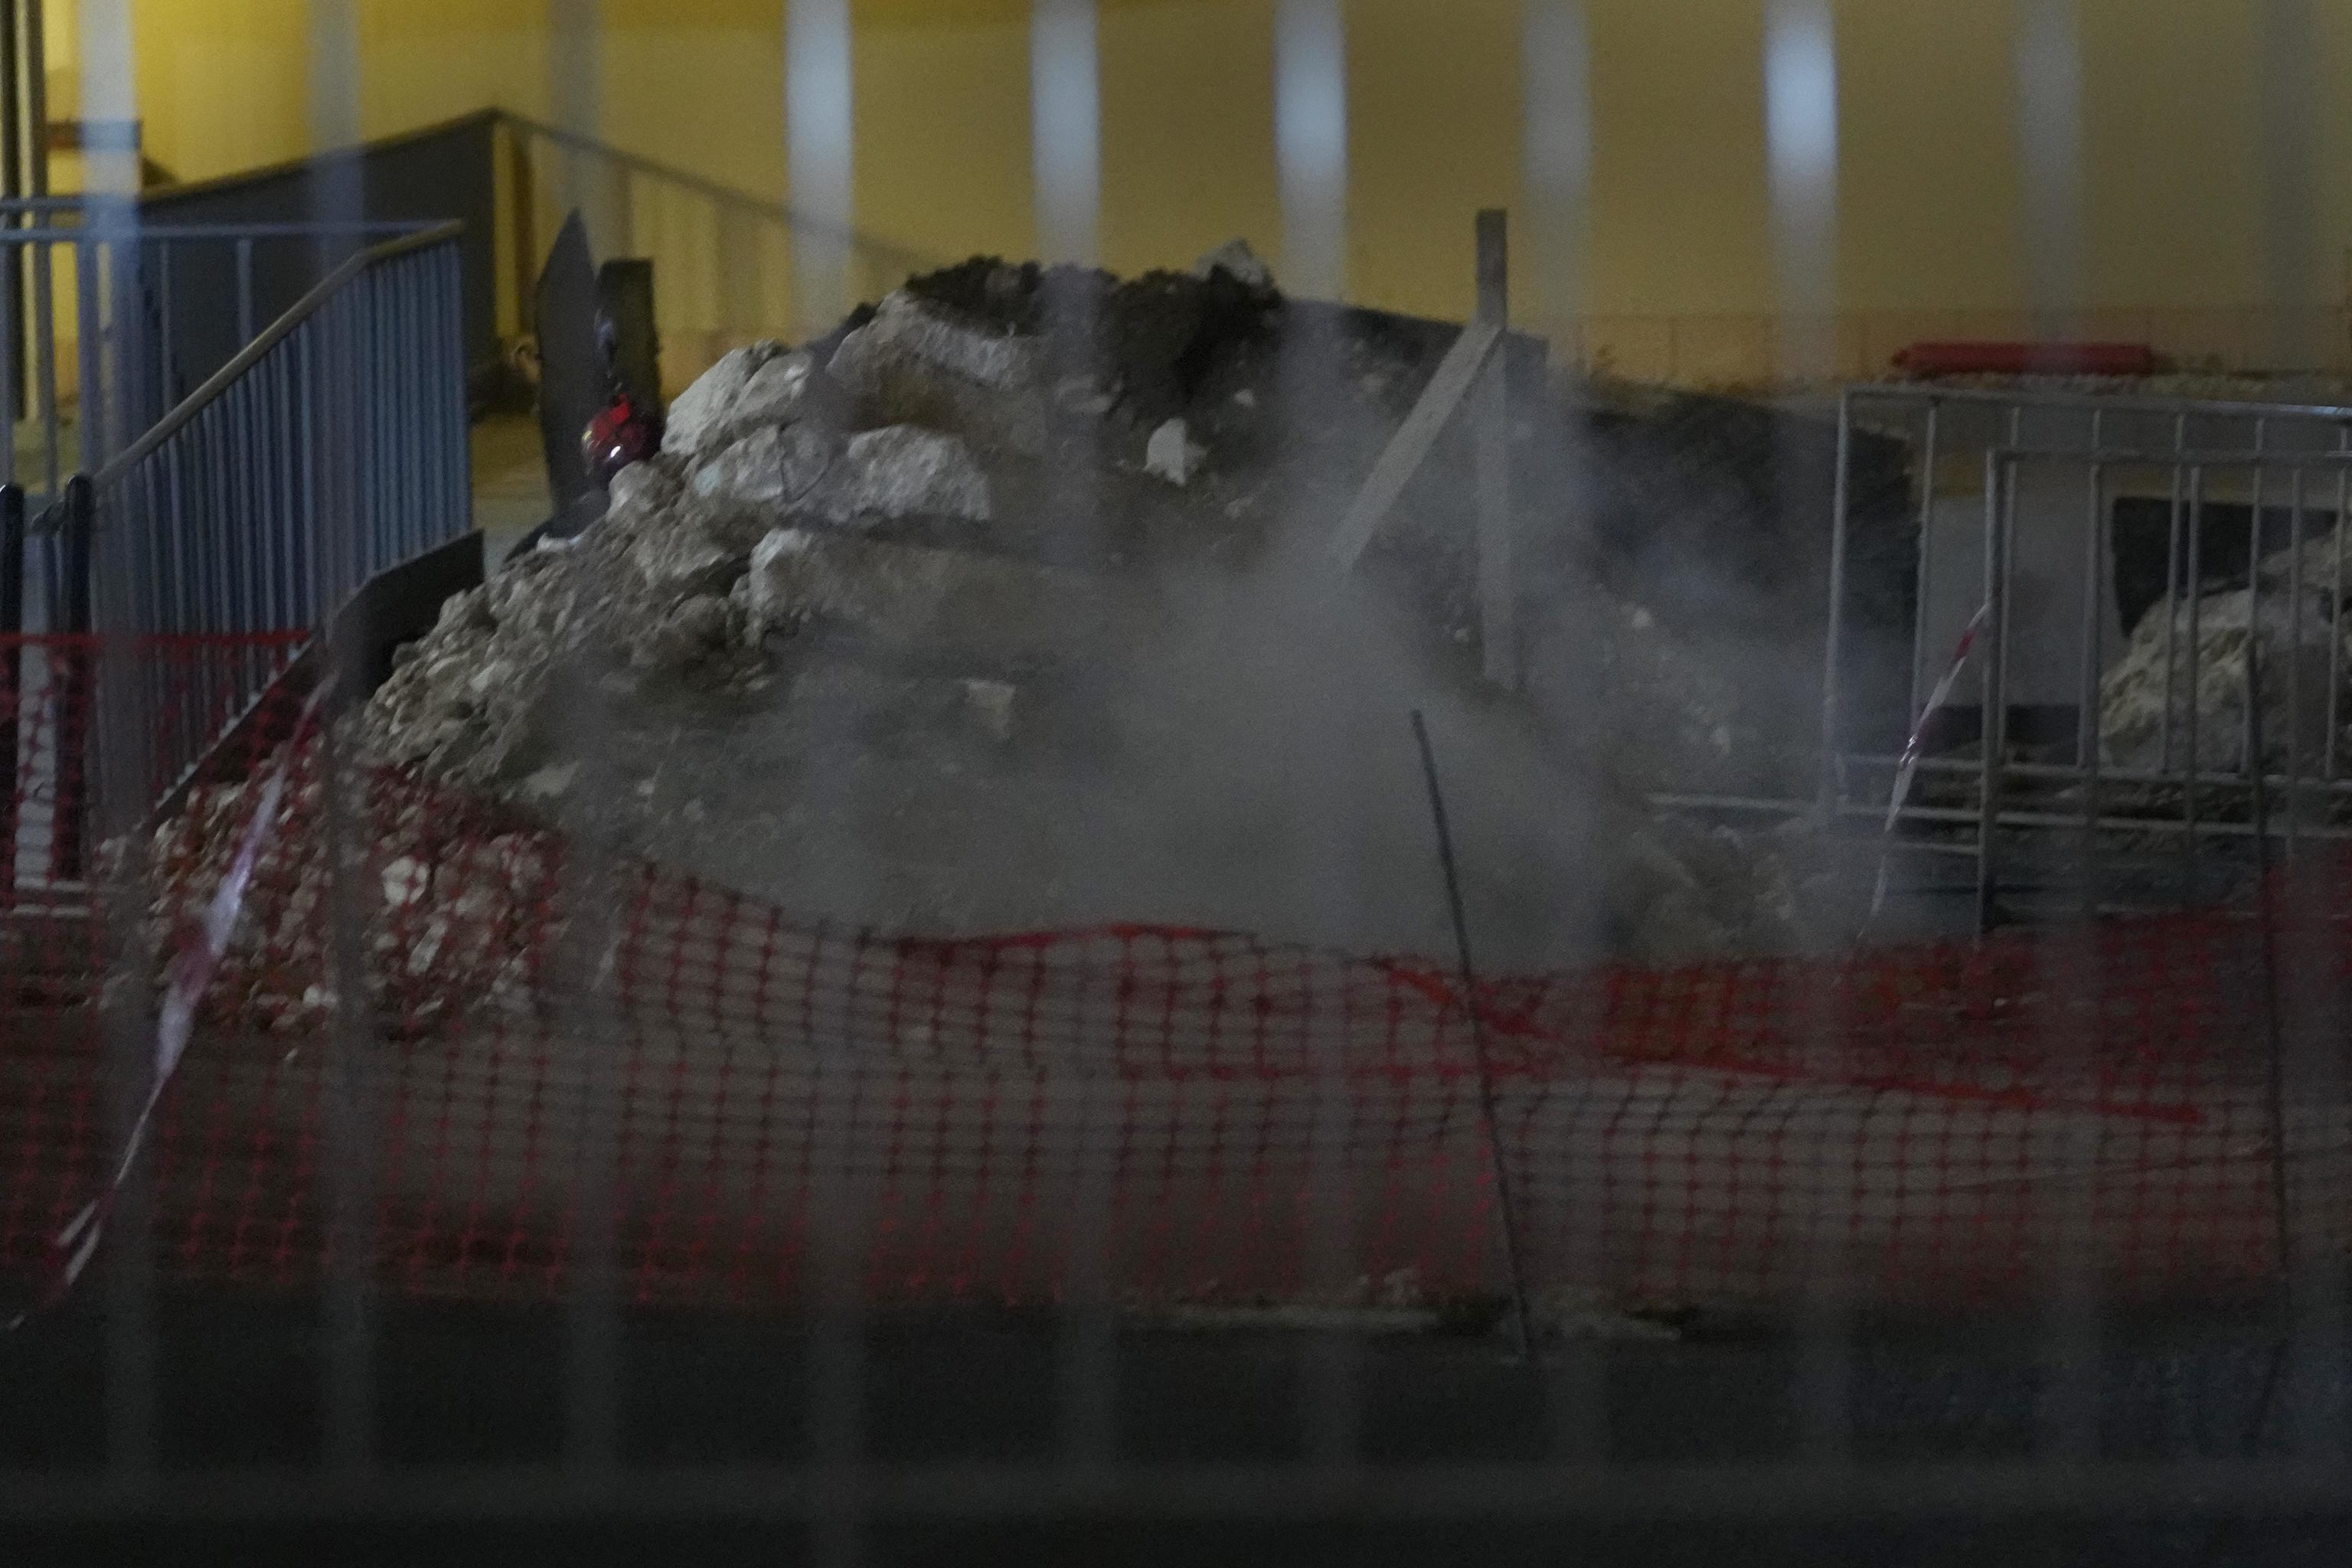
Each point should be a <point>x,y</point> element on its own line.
<point>872,502</point>
<point>2149,703</point>
<point>454,918</point>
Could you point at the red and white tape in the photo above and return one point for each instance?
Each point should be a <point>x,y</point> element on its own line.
<point>1909,768</point>
<point>186,981</point>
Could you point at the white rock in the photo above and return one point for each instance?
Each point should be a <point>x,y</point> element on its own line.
<point>2133,716</point>
<point>904,471</point>
<point>404,883</point>
<point>910,592</point>
<point>769,466</point>
<point>702,415</point>
<point>1235,259</point>
<point>913,364</point>
<point>998,361</point>
<point>675,563</point>
<point>788,388</point>
<point>641,488</point>
<point>548,784</point>
<point>1172,454</point>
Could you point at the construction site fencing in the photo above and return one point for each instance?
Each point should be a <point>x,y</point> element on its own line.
<point>332,447</point>
<point>2118,619</point>
<point>113,320</point>
<point>452,1046</point>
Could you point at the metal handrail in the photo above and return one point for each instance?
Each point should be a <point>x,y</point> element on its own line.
<point>2040,397</point>
<point>272,335</point>
<point>725,195</point>
<point>223,233</point>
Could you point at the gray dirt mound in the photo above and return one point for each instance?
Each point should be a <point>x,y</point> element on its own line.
<point>851,644</point>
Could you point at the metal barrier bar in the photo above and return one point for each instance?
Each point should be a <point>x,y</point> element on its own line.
<point>75,681</point>
<point>2055,469</point>
<point>11,678</point>
<point>328,449</point>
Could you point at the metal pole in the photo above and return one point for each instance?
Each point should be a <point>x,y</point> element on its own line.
<point>12,677</point>
<point>2293,657</point>
<point>1920,597</point>
<point>2172,595</point>
<point>244,291</point>
<point>1832,775</point>
<point>1991,729</point>
<point>2335,603</point>
<point>2086,734</point>
<point>20,143</point>
<point>2253,600</point>
<point>2189,714</point>
<point>76,656</point>
<point>1498,599</point>
<point>1511,1255</point>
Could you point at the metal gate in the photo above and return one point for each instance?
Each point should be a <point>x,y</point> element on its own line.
<point>2134,609</point>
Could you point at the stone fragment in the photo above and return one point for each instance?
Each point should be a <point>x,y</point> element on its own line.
<point>2148,692</point>
<point>904,472</point>
<point>917,593</point>
<point>914,365</point>
<point>1238,261</point>
<point>704,414</point>
<point>773,467</point>
<point>1172,454</point>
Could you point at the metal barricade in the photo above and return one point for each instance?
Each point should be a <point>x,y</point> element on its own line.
<point>107,301</point>
<point>332,447</point>
<point>2159,654</point>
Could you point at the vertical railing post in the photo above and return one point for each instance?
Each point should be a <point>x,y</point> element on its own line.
<point>12,677</point>
<point>75,661</point>
<point>1498,629</point>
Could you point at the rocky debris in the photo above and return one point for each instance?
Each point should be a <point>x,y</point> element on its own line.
<point>772,466</point>
<point>1152,344</point>
<point>1683,891</point>
<point>904,471</point>
<point>1171,455</point>
<point>913,594</point>
<point>759,385</point>
<point>699,417</point>
<point>460,921</point>
<point>920,362</point>
<point>878,503</point>
<point>1237,261</point>
<point>2297,653</point>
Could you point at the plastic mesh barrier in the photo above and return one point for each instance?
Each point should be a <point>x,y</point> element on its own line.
<point>753,1108</point>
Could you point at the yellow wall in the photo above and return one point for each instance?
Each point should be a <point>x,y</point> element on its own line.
<point>1928,185</point>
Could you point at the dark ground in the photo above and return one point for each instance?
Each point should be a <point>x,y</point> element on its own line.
<point>1216,1439</point>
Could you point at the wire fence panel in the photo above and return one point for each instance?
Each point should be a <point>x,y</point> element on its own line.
<point>1893,1125</point>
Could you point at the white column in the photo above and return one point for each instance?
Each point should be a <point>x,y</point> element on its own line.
<point>2049,67</point>
<point>1801,140</point>
<point>820,132</point>
<point>575,95</point>
<point>335,113</point>
<point>1066,130</point>
<point>2290,118</point>
<point>335,87</point>
<point>1310,140</point>
<point>110,98</point>
<point>1555,166</point>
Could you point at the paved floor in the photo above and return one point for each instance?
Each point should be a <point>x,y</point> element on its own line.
<point>511,495</point>
<point>1177,1448</point>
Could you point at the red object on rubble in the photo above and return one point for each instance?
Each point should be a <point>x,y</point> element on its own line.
<point>2027,359</point>
<point>625,432</point>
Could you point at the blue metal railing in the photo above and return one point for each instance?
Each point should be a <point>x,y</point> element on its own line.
<point>108,303</point>
<point>332,447</point>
